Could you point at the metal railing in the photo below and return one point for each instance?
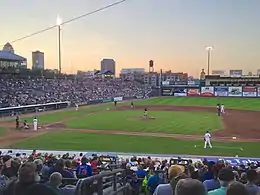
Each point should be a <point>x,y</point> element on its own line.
<point>109,182</point>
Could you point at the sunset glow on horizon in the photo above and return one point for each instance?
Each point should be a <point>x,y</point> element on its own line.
<point>173,33</point>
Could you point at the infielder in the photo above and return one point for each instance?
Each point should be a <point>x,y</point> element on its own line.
<point>222,109</point>
<point>77,106</point>
<point>207,137</point>
<point>218,109</point>
<point>35,124</point>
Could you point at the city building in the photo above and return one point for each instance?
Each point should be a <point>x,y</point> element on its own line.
<point>155,78</point>
<point>132,74</point>
<point>8,47</point>
<point>218,72</point>
<point>132,70</point>
<point>38,60</point>
<point>230,80</point>
<point>108,65</point>
<point>8,59</point>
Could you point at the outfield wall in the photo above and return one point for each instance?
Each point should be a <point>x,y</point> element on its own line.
<point>195,158</point>
<point>210,91</point>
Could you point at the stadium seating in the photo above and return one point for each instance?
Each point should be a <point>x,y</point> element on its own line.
<point>20,92</point>
<point>130,176</point>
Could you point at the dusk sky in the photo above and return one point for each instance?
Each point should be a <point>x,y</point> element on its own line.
<point>173,33</point>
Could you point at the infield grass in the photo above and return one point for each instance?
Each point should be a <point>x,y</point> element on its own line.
<point>138,144</point>
<point>229,102</point>
<point>164,121</point>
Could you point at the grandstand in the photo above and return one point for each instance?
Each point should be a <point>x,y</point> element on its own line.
<point>8,59</point>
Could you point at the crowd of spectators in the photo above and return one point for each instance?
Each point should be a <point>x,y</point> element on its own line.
<point>38,173</point>
<point>188,178</point>
<point>19,92</point>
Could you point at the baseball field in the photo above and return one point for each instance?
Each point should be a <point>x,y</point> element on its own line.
<point>175,125</point>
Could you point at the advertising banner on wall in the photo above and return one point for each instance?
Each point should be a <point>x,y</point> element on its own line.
<point>249,91</point>
<point>236,73</point>
<point>193,92</point>
<point>221,91</point>
<point>258,89</point>
<point>107,100</point>
<point>118,99</point>
<point>166,92</point>
<point>235,91</point>
<point>180,91</point>
<point>207,91</point>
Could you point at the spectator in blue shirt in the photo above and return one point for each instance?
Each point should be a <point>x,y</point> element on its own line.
<point>141,173</point>
<point>212,184</point>
<point>84,169</point>
<point>225,177</point>
<point>153,181</point>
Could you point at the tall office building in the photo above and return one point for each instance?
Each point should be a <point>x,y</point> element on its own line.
<point>38,60</point>
<point>108,64</point>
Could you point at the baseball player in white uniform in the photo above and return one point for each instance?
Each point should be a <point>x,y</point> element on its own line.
<point>207,138</point>
<point>222,109</point>
<point>35,124</point>
<point>77,106</point>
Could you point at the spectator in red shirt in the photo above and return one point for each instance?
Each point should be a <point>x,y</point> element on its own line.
<point>94,165</point>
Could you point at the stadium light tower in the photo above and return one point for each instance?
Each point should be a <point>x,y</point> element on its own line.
<point>209,53</point>
<point>58,23</point>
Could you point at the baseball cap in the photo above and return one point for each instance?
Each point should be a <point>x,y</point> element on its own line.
<point>226,174</point>
<point>175,170</point>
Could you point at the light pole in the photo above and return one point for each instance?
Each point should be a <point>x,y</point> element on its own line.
<point>209,52</point>
<point>58,23</point>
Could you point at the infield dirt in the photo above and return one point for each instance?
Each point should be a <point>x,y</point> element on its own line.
<point>244,125</point>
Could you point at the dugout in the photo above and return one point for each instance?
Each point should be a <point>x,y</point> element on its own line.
<point>11,111</point>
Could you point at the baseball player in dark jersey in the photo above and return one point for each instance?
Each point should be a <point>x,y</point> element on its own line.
<point>218,109</point>
<point>145,112</point>
<point>17,122</point>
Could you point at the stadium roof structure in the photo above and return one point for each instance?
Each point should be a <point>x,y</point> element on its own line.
<point>106,72</point>
<point>7,55</point>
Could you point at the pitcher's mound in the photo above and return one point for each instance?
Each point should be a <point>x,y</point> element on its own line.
<point>147,118</point>
<point>141,118</point>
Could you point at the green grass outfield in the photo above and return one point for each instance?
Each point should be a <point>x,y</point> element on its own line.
<point>234,103</point>
<point>138,144</point>
<point>165,121</point>
<point>121,143</point>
